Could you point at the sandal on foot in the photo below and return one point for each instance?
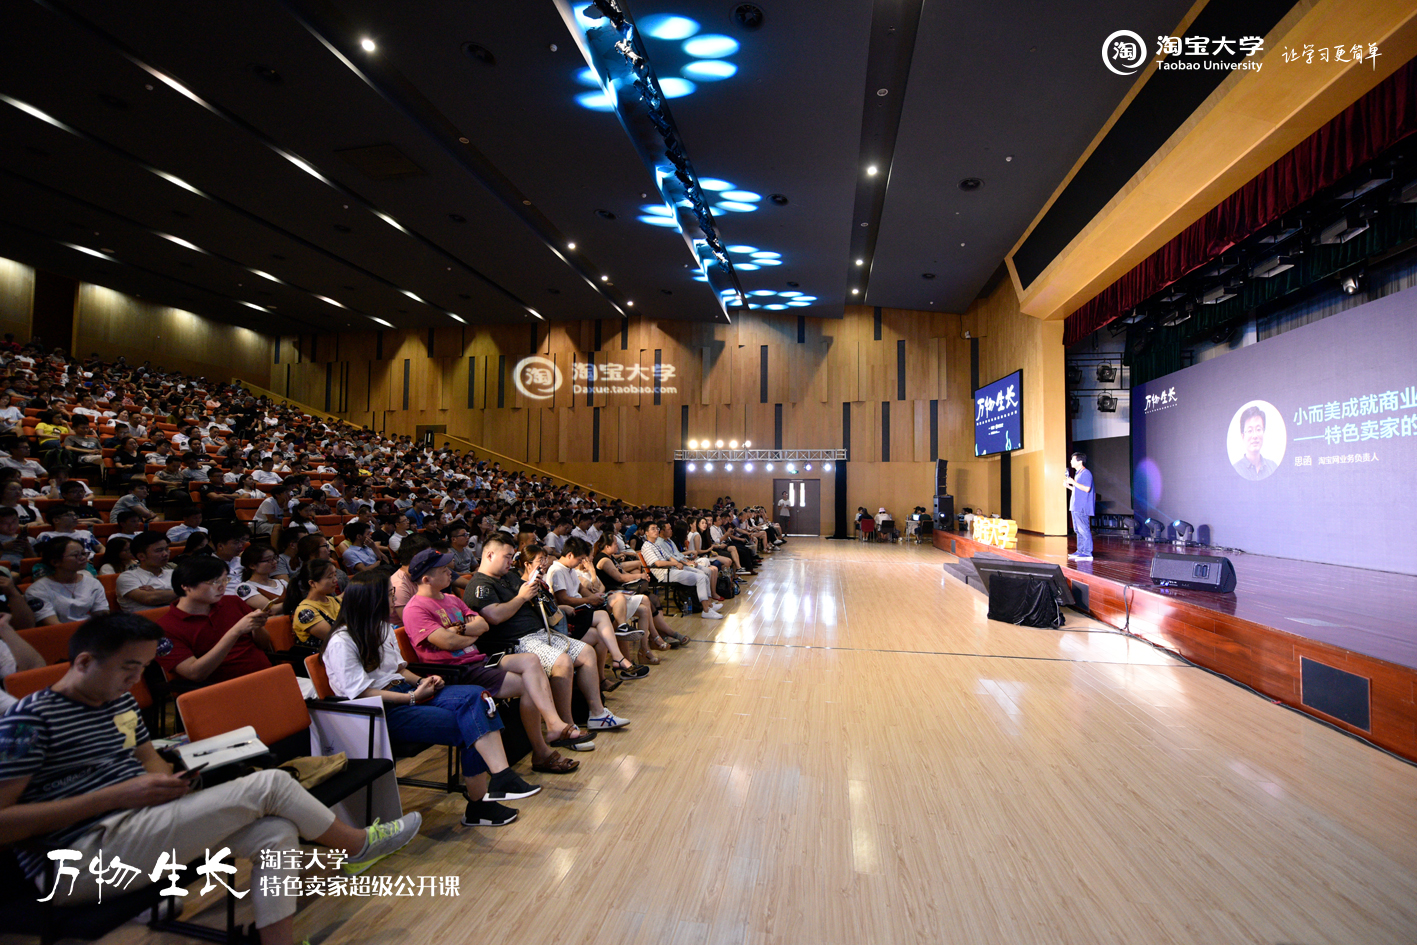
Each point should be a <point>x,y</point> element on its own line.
<point>609,684</point>
<point>632,671</point>
<point>556,763</point>
<point>569,737</point>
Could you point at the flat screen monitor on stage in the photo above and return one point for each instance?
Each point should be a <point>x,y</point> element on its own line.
<point>1301,446</point>
<point>998,416</point>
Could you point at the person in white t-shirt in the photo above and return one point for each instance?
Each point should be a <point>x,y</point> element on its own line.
<point>10,416</point>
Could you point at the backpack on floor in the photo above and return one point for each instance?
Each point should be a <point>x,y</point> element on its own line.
<point>725,587</point>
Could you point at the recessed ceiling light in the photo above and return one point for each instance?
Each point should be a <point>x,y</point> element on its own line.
<point>570,245</point>
<point>457,218</point>
<point>605,214</point>
<point>871,171</point>
<point>604,278</point>
<point>343,229</point>
<point>795,285</point>
<point>855,291</point>
<point>779,199</point>
<point>368,45</point>
<point>970,184</point>
<point>630,302</point>
<point>927,275</point>
<point>865,224</point>
<point>860,262</point>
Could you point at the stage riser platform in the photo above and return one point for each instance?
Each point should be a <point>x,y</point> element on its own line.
<point>1263,657</point>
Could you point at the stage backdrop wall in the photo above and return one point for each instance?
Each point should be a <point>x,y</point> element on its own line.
<point>1329,477</point>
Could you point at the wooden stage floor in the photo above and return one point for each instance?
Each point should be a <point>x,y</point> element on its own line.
<point>1369,612</point>
<point>857,755</point>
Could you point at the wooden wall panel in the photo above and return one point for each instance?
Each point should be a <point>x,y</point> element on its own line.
<point>17,299</point>
<point>716,373</point>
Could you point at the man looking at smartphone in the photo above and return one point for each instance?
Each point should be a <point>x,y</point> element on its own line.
<point>213,635</point>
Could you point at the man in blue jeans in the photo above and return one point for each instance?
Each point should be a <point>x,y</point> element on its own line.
<point>1082,503</point>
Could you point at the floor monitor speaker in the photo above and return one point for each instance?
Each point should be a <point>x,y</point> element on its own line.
<point>1194,572</point>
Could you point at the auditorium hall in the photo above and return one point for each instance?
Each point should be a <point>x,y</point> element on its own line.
<point>709,472</point>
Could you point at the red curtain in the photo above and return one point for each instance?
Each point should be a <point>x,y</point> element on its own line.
<point>1360,133</point>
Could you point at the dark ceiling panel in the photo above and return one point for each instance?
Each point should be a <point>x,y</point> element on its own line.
<point>522,115</point>
<point>991,80</point>
<point>789,122</point>
<point>1162,106</point>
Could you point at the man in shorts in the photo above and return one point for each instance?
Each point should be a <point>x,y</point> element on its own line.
<point>514,625</point>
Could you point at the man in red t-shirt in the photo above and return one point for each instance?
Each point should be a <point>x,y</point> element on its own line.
<point>213,636</point>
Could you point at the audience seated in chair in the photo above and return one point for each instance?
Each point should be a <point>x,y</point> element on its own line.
<point>104,787</point>
<point>362,659</point>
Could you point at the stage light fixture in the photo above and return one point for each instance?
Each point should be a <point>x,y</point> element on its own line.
<point>1184,530</point>
<point>808,467</point>
<point>693,444</point>
<point>747,467</point>
<point>1106,403</point>
<point>733,444</point>
<point>1272,267</point>
<point>770,467</point>
<point>1350,285</point>
<point>791,469</point>
<point>708,467</point>
<point>692,467</point>
<point>747,444</point>
<point>718,444</point>
<point>1106,373</point>
<point>728,467</point>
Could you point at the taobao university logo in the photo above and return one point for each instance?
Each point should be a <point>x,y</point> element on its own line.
<point>1124,52</point>
<point>537,377</point>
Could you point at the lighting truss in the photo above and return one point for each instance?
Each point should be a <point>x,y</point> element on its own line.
<point>765,456</point>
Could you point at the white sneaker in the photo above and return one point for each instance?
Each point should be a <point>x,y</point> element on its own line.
<point>607,721</point>
<point>713,605</point>
<point>711,615</point>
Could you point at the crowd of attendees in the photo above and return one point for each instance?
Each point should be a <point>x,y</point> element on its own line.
<point>232,512</point>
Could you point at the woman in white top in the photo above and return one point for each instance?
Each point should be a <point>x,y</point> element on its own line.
<point>258,588</point>
<point>362,660</point>
<point>70,589</point>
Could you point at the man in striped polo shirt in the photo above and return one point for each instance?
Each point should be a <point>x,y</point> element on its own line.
<point>79,774</point>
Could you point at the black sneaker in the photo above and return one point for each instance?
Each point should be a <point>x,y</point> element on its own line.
<point>507,785</point>
<point>487,814</point>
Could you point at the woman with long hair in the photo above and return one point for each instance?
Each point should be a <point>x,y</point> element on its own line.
<point>362,659</point>
<point>259,588</point>
<point>724,555</point>
<point>313,547</point>
<point>117,557</point>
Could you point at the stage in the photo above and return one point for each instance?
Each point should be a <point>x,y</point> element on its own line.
<point>1283,614</point>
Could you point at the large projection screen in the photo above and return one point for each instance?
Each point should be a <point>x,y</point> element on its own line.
<point>1302,446</point>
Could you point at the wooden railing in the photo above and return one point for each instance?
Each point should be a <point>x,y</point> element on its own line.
<point>477,450</point>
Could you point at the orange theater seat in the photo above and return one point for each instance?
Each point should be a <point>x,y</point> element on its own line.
<point>268,700</point>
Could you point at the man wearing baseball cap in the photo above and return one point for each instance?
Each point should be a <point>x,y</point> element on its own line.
<point>443,629</point>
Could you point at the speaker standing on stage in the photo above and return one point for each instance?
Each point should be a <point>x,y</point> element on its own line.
<point>1082,503</point>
